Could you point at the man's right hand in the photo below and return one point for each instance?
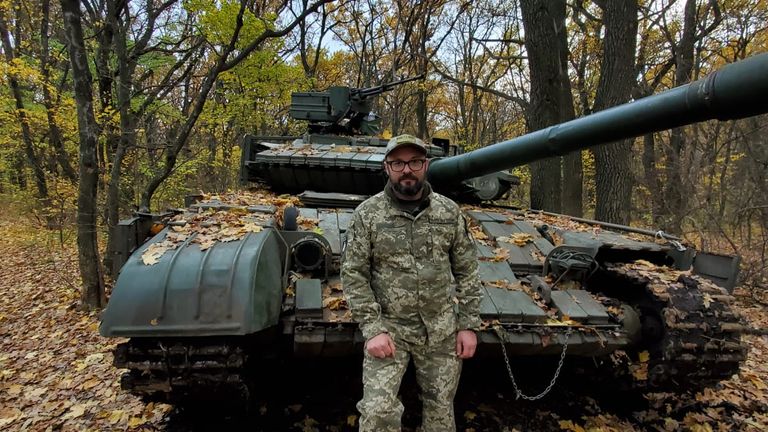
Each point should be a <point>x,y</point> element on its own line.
<point>380,346</point>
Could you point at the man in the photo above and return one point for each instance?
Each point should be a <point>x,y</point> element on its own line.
<point>404,247</point>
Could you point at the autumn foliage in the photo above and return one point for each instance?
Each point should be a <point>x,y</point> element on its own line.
<point>176,84</point>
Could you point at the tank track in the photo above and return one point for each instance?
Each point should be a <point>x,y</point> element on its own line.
<point>698,335</point>
<point>176,371</point>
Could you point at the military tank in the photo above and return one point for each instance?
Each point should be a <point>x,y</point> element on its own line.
<point>206,293</point>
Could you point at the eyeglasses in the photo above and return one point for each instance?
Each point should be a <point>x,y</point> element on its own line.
<point>413,164</point>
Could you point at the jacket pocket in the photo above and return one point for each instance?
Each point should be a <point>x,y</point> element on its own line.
<point>441,232</point>
<point>392,247</point>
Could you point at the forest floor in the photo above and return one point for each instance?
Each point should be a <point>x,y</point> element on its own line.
<point>56,374</point>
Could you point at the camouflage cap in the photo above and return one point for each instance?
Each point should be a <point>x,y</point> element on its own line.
<point>404,140</point>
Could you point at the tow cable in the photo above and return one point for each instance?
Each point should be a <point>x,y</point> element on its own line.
<point>501,334</point>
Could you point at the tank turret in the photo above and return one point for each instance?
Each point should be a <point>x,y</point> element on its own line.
<point>340,152</point>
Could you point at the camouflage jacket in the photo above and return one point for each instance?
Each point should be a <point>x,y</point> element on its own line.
<point>397,270</point>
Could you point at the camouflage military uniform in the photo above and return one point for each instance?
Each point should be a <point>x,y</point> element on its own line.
<point>397,274</point>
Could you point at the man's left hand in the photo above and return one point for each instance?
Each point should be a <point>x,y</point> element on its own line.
<point>466,342</point>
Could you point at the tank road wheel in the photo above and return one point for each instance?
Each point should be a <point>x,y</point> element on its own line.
<point>688,328</point>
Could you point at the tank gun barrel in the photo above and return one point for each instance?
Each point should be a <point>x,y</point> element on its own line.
<point>364,93</point>
<point>736,91</point>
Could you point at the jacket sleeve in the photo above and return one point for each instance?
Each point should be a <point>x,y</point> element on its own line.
<point>464,267</point>
<point>356,279</point>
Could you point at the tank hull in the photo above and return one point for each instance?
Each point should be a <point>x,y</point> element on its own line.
<point>184,353</point>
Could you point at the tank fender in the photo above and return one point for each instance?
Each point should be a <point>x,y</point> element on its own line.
<point>230,288</point>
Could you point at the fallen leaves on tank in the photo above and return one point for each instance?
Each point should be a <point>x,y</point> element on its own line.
<point>216,218</point>
<point>156,250</point>
<point>499,255</point>
<point>503,283</point>
<point>520,239</point>
<point>478,234</point>
<point>307,223</point>
<point>335,303</point>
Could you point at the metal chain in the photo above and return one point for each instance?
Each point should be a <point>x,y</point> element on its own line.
<point>518,392</point>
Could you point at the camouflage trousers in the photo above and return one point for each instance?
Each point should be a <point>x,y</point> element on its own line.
<point>437,373</point>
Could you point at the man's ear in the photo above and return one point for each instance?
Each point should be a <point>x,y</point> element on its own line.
<point>426,164</point>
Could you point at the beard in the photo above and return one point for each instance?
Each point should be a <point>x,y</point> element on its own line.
<point>408,190</point>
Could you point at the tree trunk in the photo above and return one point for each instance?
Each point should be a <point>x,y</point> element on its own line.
<point>573,171</point>
<point>126,139</point>
<point>544,23</point>
<point>673,193</point>
<point>26,133</point>
<point>422,62</point>
<point>613,168</point>
<point>57,142</point>
<point>88,252</point>
<point>651,177</point>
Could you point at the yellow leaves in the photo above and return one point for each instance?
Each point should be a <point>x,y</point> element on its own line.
<point>308,224</point>
<point>36,393</point>
<point>135,422</point>
<point>335,303</point>
<point>91,383</point>
<point>696,422</point>
<point>116,416</point>
<point>204,242</point>
<point>500,254</point>
<point>568,425</point>
<point>639,370</point>
<point>8,415</point>
<point>597,423</point>
<point>754,380</point>
<point>351,420</point>
<point>505,284</point>
<point>75,411</point>
<point>477,233</point>
<point>519,239</point>
<point>208,227</point>
<point>252,227</point>
<point>469,415</point>
<point>308,424</point>
<point>671,424</point>
<point>335,286</point>
<point>152,254</point>
<point>334,316</point>
<point>94,359</point>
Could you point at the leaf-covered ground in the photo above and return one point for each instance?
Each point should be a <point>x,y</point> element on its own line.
<point>56,374</point>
